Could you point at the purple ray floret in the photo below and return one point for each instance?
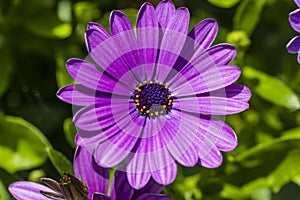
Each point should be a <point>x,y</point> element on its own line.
<point>294,45</point>
<point>151,93</point>
<point>91,184</point>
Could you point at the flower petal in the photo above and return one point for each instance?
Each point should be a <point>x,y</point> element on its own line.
<point>95,177</point>
<point>166,175</point>
<point>212,158</point>
<point>116,148</point>
<point>234,91</point>
<point>203,34</point>
<point>222,54</point>
<point>148,36</point>
<point>78,95</point>
<point>294,45</point>
<point>121,190</point>
<point>88,75</point>
<point>99,196</point>
<point>172,42</point>
<point>295,20</point>
<point>98,27</point>
<point>218,133</point>
<point>205,80</point>
<point>25,190</point>
<point>94,37</point>
<point>164,12</point>
<point>212,105</point>
<point>151,187</point>
<point>297,2</point>
<point>103,114</point>
<point>154,197</point>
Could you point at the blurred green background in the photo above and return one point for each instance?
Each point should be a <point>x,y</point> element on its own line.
<point>36,131</point>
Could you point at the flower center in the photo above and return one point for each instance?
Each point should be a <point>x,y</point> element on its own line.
<point>153,99</point>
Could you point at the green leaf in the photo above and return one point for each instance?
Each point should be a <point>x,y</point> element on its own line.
<point>59,161</point>
<point>272,89</point>
<point>224,3</point>
<point>22,145</point>
<point>247,15</point>
<point>70,131</point>
<point>3,192</point>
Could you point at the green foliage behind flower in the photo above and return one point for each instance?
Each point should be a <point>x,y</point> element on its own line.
<point>37,37</point>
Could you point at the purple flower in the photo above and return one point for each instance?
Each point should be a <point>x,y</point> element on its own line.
<point>150,94</point>
<point>96,179</point>
<point>294,45</point>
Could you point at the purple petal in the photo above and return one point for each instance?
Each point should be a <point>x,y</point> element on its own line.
<point>204,33</point>
<point>298,58</point>
<point>94,37</point>
<point>162,165</point>
<point>154,197</point>
<point>148,36</point>
<point>295,20</point>
<point>109,53</point>
<point>213,105</point>
<point>25,190</point>
<point>103,114</point>
<point>119,22</point>
<point>294,45</point>
<point>116,148</point>
<point>234,91</point>
<point>180,141</point>
<point>166,175</point>
<point>297,2</point>
<point>99,196</point>
<point>212,158</point>
<point>218,133</point>
<point>137,168</point>
<point>88,75</point>
<point>208,79</point>
<point>222,54</point>
<point>98,27</point>
<point>121,190</point>
<point>151,187</point>
<point>77,95</point>
<point>164,12</point>
<point>95,177</point>
<point>172,42</point>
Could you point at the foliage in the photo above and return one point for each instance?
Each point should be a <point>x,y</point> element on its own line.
<point>37,37</point>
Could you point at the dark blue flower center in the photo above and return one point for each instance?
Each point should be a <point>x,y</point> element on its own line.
<point>152,99</point>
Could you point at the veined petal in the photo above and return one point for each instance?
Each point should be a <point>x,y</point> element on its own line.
<point>294,45</point>
<point>94,36</point>
<point>154,197</point>
<point>88,75</point>
<point>222,54</point>
<point>204,34</point>
<point>148,36</point>
<point>205,80</point>
<point>172,42</point>
<point>98,27</point>
<point>79,95</point>
<point>164,12</point>
<point>165,175</point>
<point>121,190</point>
<point>295,20</point>
<point>218,133</point>
<point>25,190</point>
<point>116,148</point>
<point>209,155</point>
<point>235,91</point>
<point>212,105</point>
<point>95,177</point>
<point>151,187</point>
<point>102,115</point>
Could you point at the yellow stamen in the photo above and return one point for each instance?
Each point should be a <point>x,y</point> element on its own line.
<point>156,113</point>
<point>147,111</point>
<point>164,106</point>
